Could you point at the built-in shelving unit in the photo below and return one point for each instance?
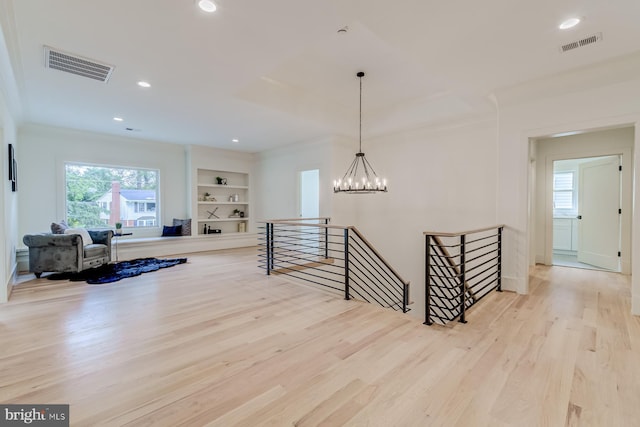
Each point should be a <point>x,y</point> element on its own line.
<point>222,206</point>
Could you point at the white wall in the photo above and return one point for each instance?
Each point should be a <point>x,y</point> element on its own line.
<point>10,109</point>
<point>9,211</point>
<point>602,96</point>
<point>43,151</point>
<point>592,144</point>
<point>441,180</point>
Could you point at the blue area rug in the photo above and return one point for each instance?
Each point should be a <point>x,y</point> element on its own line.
<point>113,272</point>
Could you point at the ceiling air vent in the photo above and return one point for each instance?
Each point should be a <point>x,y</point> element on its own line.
<point>77,65</point>
<point>582,42</point>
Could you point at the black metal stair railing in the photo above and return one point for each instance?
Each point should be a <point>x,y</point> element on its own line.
<point>460,269</point>
<point>335,257</point>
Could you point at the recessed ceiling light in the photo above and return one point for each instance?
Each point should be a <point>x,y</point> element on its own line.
<point>118,119</point>
<point>207,5</point>
<point>569,23</point>
<point>235,140</point>
<point>144,84</point>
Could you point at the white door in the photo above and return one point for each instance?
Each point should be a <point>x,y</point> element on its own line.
<point>598,215</point>
<point>310,193</point>
<point>311,237</point>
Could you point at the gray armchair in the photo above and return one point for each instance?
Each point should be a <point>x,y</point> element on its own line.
<point>66,253</point>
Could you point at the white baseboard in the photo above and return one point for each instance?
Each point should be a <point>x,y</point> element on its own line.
<point>513,284</point>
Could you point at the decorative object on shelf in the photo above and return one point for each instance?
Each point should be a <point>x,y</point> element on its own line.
<point>213,213</point>
<point>360,177</point>
<point>118,229</point>
<point>235,214</point>
<point>241,214</point>
<point>234,198</point>
<point>221,181</point>
<point>209,198</point>
<point>209,230</point>
<point>242,227</point>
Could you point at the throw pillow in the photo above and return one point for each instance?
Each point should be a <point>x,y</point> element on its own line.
<point>59,227</point>
<point>186,225</point>
<point>86,238</point>
<point>168,230</point>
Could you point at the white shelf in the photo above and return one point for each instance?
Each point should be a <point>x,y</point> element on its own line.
<point>238,187</point>
<point>223,203</point>
<point>223,219</point>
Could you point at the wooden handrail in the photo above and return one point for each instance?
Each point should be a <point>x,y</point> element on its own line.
<point>298,219</point>
<point>304,224</point>
<point>460,233</point>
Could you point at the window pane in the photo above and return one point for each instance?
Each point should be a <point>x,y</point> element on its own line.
<point>563,181</point>
<point>563,200</point>
<point>101,196</point>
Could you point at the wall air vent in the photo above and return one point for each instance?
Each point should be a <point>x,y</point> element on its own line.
<point>597,37</point>
<point>77,65</point>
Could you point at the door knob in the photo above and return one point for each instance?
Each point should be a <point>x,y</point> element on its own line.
<point>579,216</point>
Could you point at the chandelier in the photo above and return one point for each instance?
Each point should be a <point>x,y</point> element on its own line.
<point>360,177</point>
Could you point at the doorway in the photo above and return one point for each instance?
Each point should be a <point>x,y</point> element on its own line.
<point>586,212</point>
<point>309,194</point>
<point>544,151</point>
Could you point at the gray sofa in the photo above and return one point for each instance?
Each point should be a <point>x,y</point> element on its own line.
<point>66,253</point>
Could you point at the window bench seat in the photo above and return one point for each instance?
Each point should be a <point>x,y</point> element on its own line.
<point>142,247</point>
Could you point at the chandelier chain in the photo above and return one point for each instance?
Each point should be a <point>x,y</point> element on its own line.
<point>360,134</point>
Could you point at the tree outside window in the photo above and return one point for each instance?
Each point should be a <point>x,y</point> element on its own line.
<point>101,196</point>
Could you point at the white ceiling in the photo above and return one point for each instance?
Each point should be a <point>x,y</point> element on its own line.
<point>276,72</point>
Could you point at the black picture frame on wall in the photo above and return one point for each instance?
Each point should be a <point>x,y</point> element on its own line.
<point>11,154</point>
<point>14,183</point>
<point>13,168</point>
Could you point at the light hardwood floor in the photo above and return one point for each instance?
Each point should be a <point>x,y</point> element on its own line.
<point>215,342</point>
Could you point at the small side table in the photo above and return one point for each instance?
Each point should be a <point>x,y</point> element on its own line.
<point>115,239</point>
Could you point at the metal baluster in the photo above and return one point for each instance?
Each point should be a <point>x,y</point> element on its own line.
<point>326,239</point>
<point>427,288</point>
<point>346,264</point>
<point>462,279</point>
<point>268,248</point>
<point>271,246</point>
<point>500,259</point>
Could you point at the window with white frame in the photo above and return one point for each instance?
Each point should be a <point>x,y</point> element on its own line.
<point>564,194</point>
<point>99,196</point>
